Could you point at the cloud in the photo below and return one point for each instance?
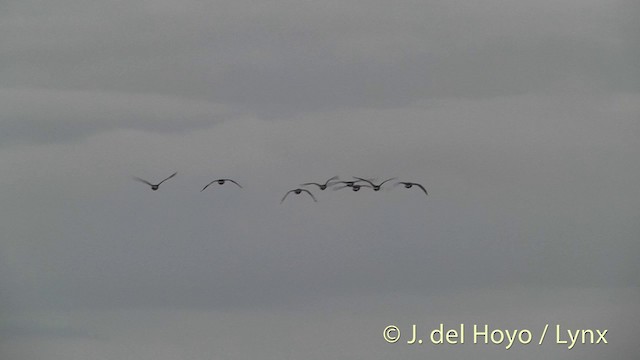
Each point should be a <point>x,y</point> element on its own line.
<point>51,116</point>
<point>520,118</point>
<point>515,185</point>
<point>348,326</point>
<point>282,58</point>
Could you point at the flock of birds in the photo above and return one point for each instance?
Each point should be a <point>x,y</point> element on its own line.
<point>355,185</point>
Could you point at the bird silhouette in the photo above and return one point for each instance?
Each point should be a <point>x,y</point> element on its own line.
<point>321,186</point>
<point>352,185</point>
<point>221,182</point>
<point>408,185</point>
<point>298,191</point>
<point>374,186</point>
<point>155,187</point>
<point>346,184</point>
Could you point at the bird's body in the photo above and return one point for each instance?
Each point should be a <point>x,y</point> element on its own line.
<point>321,186</point>
<point>155,187</point>
<point>221,182</point>
<point>346,184</point>
<point>356,187</point>
<point>352,185</point>
<point>298,191</point>
<point>409,185</point>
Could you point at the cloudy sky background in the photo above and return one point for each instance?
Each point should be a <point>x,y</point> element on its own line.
<point>520,118</point>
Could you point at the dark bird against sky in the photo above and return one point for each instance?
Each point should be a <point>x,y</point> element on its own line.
<point>408,185</point>
<point>298,191</point>
<point>221,182</point>
<point>155,187</point>
<point>321,186</point>
<point>374,186</point>
<point>352,185</point>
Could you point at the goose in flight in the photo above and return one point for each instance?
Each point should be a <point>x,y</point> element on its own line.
<point>408,185</point>
<point>374,186</point>
<point>155,187</point>
<point>298,191</point>
<point>352,185</point>
<point>346,184</point>
<point>221,182</point>
<point>321,186</point>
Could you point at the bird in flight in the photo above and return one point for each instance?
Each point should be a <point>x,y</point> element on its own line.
<point>298,191</point>
<point>321,186</point>
<point>346,184</point>
<point>221,182</point>
<point>155,187</point>
<point>352,185</point>
<point>374,186</point>
<point>408,185</point>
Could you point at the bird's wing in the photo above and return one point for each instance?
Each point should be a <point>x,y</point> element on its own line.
<point>285,195</point>
<point>421,187</point>
<point>327,182</point>
<point>339,187</point>
<point>361,179</point>
<point>172,175</point>
<point>143,180</point>
<point>206,186</point>
<point>398,183</point>
<point>310,194</point>
<point>386,181</point>
<point>310,183</point>
<point>233,182</point>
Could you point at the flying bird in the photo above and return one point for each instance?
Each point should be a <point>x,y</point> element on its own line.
<point>352,185</point>
<point>374,186</point>
<point>221,182</point>
<point>155,187</point>
<point>408,185</point>
<point>298,191</point>
<point>321,186</point>
<point>346,184</point>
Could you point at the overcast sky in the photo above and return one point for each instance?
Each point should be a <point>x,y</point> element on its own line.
<point>520,118</point>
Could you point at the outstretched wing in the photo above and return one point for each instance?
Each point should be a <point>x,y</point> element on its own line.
<point>310,194</point>
<point>285,195</point>
<point>326,183</point>
<point>421,187</point>
<point>386,181</point>
<point>233,182</point>
<point>143,180</point>
<point>170,176</point>
<point>346,184</point>
<point>206,186</point>
<point>311,183</point>
<point>361,179</point>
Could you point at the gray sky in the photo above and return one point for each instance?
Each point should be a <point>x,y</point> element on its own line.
<point>520,118</point>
